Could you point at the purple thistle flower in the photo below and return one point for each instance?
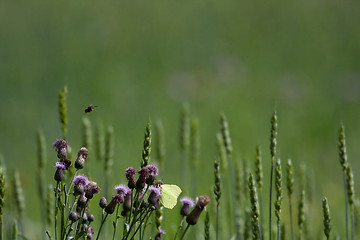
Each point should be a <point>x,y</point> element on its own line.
<point>158,235</point>
<point>59,174</point>
<point>80,160</point>
<point>60,165</point>
<point>131,177</point>
<point>187,204</point>
<point>127,201</point>
<point>90,233</point>
<point>91,188</point>
<point>80,181</point>
<point>193,216</point>
<point>143,175</point>
<point>61,147</point>
<point>121,189</point>
<point>154,195</point>
<point>153,172</point>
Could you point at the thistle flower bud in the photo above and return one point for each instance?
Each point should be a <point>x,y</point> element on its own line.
<point>84,218</point>
<point>131,177</point>
<point>103,202</point>
<point>194,215</point>
<point>187,203</point>
<point>80,182</point>
<point>143,175</point>
<point>122,190</point>
<point>158,235</point>
<point>154,195</point>
<point>73,216</point>
<point>127,201</point>
<point>59,174</point>
<point>61,147</point>
<point>90,218</point>
<point>90,233</point>
<point>80,160</point>
<point>90,189</point>
<point>81,202</point>
<point>116,199</point>
<point>153,172</point>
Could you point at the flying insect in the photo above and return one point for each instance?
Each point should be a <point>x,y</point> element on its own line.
<point>90,108</point>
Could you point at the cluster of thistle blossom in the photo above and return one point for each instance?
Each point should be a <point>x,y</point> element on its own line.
<point>139,199</point>
<point>79,219</point>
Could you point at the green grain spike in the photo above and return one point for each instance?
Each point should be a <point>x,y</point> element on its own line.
<point>184,128</point>
<point>301,213</point>
<point>87,133</point>
<point>14,232</point>
<point>255,214</point>
<point>222,151</point>
<point>217,192</point>
<point>160,143</point>
<point>158,217</point>
<point>342,148</point>
<point>195,143</point>
<point>278,187</point>
<point>207,227</point>
<point>350,187</point>
<point>258,169</point>
<point>100,142</point>
<point>147,146</point>
<point>20,200</point>
<point>327,219</point>
<point>50,205</point>
<point>109,154</point>
<point>290,190</point>
<point>63,110</point>
<point>273,134</point>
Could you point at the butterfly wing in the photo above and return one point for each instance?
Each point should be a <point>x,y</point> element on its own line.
<point>169,195</point>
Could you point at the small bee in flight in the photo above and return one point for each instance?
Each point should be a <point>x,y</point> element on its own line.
<point>90,108</point>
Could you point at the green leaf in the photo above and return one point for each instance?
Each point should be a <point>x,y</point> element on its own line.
<point>79,235</point>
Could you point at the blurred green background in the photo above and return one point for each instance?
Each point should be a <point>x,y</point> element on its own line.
<point>143,59</point>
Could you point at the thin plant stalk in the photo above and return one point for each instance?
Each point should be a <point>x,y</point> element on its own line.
<point>344,163</point>
<point>179,228</point>
<point>101,225</point>
<point>116,221</point>
<point>272,152</point>
<point>186,229</point>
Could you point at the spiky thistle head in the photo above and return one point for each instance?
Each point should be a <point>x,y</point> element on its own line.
<point>201,203</point>
<point>273,135</point>
<point>217,185</point>
<point>147,146</point>
<point>278,187</point>
<point>342,148</point>
<point>187,203</point>
<point>258,169</point>
<point>350,187</point>
<point>327,219</point>
<point>289,178</point>
<point>63,110</point>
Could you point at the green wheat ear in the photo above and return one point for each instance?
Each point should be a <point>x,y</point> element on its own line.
<point>14,231</point>
<point>327,219</point>
<point>41,164</point>
<point>195,143</point>
<point>350,187</point>
<point>100,142</point>
<point>301,213</point>
<point>258,169</point>
<point>160,143</point>
<point>50,205</point>
<point>207,227</point>
<point>217,192</point>
<point>342,148</point>
<point>278,187</point>
<point>222,151</point>
<point>63,110</point>
<point>158,217</point>
<point>255,214</point>
<point>19,199</point>
<point>87,137</point>
<point>147,146</point>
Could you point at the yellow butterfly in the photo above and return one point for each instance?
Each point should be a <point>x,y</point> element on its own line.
<point>169,195</point>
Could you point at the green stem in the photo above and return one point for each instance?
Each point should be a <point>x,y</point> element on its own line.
<point>101,225</point>
<point>56,208</point>
<point>291,219</point>
<point>145,224</point>
<point>180,227</point>
<point>278,230</point>
<point>187,228</point>
<point>217,221</point>
<point>352,226</point>
<point>270,202</point>
<point>116,220</point>
<point>142,220</point>
<point>346,207</point>
<point>261,215</point>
